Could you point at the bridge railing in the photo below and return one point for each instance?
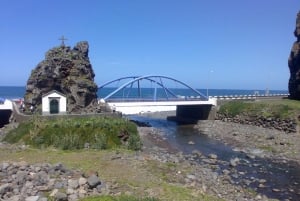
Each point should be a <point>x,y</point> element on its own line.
<point>154,100</point>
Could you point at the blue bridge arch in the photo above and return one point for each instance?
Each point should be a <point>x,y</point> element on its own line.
<point>134,82</point>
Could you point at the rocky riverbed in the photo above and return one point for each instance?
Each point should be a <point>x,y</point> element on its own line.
<point>264,166</point>
<point>247,138</point>
<point>270,155</point>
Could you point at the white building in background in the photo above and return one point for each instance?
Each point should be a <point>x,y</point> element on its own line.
<point>6,104</point>
<point>54,102</point>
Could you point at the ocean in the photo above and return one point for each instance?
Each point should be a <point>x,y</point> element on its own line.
<point>13,92</point>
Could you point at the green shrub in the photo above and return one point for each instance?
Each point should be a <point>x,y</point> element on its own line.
<point>234,108</point>
<point>74,133</point>
<point>134,143</point>
<point>17,134</point>
<point>100,141</point>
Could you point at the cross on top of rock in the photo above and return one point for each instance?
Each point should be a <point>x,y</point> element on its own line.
<point>63,40</point>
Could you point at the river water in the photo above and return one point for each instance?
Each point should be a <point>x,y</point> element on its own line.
<point>275,179</point>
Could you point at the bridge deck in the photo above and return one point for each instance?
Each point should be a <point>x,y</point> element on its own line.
<point>158,103</point>
<point>136,107</point>
<point>154,100</point>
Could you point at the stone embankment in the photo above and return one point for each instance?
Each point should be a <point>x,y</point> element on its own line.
<point>21,181</point>
<point>286,125</point>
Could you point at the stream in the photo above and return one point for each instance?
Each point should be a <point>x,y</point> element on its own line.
<point>275,179</point>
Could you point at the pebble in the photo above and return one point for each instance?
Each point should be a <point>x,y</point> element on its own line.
<point>191,177</point>
<point>226,172</point>
<point>32,198</point>
<point>234,162</point>
<point>212,156</point>
<point>250,156</point>
<point>258,197</point>
<point>197,153</point>
<point>262,181</point>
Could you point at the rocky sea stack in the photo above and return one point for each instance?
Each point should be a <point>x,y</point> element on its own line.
<point>294,64</point>
<point>67,71</point>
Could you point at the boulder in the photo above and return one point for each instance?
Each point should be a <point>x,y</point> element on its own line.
<point>67,71</point>
<point>4,188</point>
<point>93,181</point>
<point>294,64</point>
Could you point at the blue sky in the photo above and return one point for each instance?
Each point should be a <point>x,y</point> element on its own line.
<point>232,44</point>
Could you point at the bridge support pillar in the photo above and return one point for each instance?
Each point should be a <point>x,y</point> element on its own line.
<point>193,113</point>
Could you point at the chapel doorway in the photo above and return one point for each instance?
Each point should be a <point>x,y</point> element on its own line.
<point>54,106</point>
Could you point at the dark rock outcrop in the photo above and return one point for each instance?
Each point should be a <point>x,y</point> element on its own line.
<point>294,64</point>
<point>68,71</point>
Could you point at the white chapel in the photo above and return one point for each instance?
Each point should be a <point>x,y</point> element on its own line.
<point>54,102</point>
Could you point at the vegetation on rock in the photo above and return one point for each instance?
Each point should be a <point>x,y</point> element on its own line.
<point>77,133</point>
<point>265,109</point>
<point>66,70</point>
<point>281,115</point>
<point>278,109</point>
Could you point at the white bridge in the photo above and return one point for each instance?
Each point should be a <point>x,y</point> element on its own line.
<point>159,106</point>
<point>130,97</point>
